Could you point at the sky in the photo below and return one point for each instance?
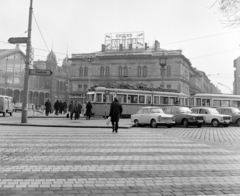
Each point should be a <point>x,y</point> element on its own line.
<point>79,26</point>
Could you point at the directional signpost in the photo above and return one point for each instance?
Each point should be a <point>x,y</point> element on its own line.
<point>17,40</point>
<point>40,72</point>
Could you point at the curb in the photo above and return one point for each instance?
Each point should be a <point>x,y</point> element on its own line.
<point>66,126</point>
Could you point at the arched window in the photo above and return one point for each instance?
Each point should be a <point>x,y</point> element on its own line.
<point>168,70</point>
<point>144,71</point>
<point>58,85</point>
<point>125,71</point>
<point>85,71</point>
<point>139,71</point>
<point>120,71</point>
<point>107,71</point>
<point>80,71</point>
<point>102,71</point>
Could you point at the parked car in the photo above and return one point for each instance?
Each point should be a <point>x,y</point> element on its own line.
<point>212,116</point>
<point>233,112</point>
<point>18,107</point>
<point>153,116</point>
<point>184,116</point>
<point>6,105</point>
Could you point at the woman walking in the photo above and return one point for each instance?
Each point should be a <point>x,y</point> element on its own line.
<point>88,110</point>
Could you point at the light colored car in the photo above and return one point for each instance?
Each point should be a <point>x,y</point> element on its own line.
<point>184,116</point>
<point>18,107</point>
<point>153,116</point>
<point>212,116</point>
<point>233,112</point>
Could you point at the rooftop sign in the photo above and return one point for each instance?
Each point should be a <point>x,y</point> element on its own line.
<point>113,40</point>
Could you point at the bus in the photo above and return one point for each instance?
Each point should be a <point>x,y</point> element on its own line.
<point>132,100</point>
<point>6,105</point>
<point>214,100</point>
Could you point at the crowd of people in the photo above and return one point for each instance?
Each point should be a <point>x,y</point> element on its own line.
<point>74,109</point>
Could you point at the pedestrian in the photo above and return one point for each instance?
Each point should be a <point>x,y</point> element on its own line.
<point>60,107</point>
<point>71,109</point>
<point>75,110</point>
<point>65,105</point>
<point>56,107</point>
<point>48,107</point>
<point>79,109</point>
<point>115,112</point>
<point>88,110</point>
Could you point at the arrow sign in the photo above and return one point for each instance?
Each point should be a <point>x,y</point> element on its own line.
<point>17,40</point>
<point>40,72</point>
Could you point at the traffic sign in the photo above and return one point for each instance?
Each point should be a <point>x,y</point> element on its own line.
<point>17,40</point>
<point>40,72</point>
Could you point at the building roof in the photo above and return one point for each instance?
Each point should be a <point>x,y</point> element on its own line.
<point>8,52</point>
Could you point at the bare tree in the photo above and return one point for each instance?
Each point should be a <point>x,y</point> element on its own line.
<point>230,9</point>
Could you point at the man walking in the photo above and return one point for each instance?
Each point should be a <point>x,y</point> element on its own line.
<point>48,107</point>
<point>115,112</point>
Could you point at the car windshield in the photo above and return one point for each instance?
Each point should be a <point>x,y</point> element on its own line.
<point>184,110</point>
<point>156,110</point>
<point>213,111</point>
<point>235,111</point>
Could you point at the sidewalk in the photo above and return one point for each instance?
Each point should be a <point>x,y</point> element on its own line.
<point>60,121</point>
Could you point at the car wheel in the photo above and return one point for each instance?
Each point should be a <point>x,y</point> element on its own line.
<point>215,123</point>
<point>226,125</point>
<point>238,122</point>
<point>199,126</point>
<point>185,123</point>
<point>169,126</point>
<point>136,122</point>
<point>153,123</point>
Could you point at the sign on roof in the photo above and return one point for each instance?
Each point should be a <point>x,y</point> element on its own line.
<point>113,40</point>
<point>17,40</point>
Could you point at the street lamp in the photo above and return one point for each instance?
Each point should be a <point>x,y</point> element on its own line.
<point>163,63</point>
<point>89,59</point>
<point>227,87</point>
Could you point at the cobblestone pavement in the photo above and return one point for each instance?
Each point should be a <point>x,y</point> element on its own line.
<point>137,161</point>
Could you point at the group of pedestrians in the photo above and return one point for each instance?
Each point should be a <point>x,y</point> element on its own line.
<point>76,109</point>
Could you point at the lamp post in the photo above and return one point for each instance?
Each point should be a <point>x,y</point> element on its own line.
<point>163,63</point>
<point>89,59</point>
<point>227,87</point>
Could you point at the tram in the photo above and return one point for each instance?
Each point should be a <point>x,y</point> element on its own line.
<point>214,100</point>
<point>132,99</point>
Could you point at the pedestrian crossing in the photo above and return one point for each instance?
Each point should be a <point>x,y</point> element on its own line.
<point>137,161</point>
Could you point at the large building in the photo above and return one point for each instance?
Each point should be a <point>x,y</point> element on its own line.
<point>133,62</point>
<point>12,72</point>
<point>236,82</point>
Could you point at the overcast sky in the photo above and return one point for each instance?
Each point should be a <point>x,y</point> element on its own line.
<point>79,26</point>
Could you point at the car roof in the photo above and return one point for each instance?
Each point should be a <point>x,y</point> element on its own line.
<point>201,107</point>
<point>226,107</point>
<point>150,107</point>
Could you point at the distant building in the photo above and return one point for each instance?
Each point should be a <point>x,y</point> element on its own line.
<point>136,65</point>
<point>236,82</point>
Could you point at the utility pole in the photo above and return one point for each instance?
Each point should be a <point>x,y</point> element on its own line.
<point>26,77</point>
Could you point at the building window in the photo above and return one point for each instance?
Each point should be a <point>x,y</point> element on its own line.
<point>80,71</point>
<point>79,86</point>
<point>168,70</point>
<point>85,87</point>
<point>139,71</point>
<point>120,71</point>
<point>144,71</point>
<point>85,71</point>
<point>125,71</point>
<point>107,71</point>
<point>169,86</point>
<point>102,71</point>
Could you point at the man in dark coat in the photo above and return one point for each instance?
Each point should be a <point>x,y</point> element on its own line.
<point>115,112</point>
<point>56,107</point>
<point>88,110</point>
<point>48,107</point>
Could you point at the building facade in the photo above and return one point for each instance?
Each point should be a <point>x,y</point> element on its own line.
<point>139,66</point>
<point>236,82</point>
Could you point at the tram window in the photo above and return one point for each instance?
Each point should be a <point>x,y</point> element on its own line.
<point>122,98</point>
<point>90,97</point>
<point>132,99</point>
<point>141,99</point>
<point>226,103</point>
<point>172,100</point>
<point>149,99</point>
<point>165,100</point>
<point>156,100</point>
<point>186,101</point>
<point>110,98</point>
<point>191,101</point>
<point>198,100</point>
<point>216,103</point>
<point>236,104</point>
<point>99,97</point>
